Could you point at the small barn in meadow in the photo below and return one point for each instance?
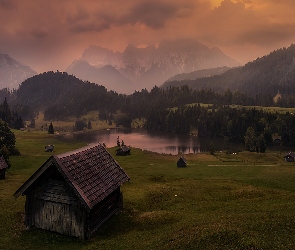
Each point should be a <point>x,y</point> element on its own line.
<point>74,193</point>
<point>181,163</point>
<point>3,167</point>
<point>289,157</point>
<point>49,148</point>
<point>123,150</point>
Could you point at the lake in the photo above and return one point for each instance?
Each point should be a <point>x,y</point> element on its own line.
<point>159,142</point>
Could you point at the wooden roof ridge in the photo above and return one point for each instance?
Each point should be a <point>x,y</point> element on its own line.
<point>91,171</point>
<point>290,154</point>
<point>75,151</point>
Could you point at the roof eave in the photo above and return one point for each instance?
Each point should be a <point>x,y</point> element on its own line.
<point>33,178</point>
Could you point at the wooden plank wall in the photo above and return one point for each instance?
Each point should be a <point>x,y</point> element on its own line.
<point>56,208</point>
<point>104,210</point>
<point>58,217</point>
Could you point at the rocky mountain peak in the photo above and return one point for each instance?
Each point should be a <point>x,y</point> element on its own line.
<point>13,73</point>
<point>150,66</point>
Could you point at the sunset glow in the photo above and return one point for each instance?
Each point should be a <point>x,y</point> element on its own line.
<point>49,35</point>
<point>215,3</point>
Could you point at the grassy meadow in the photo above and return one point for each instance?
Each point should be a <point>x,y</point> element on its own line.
<point>243,201</point>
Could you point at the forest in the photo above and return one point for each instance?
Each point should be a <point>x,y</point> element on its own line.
<point>243,125</point>
<point>60,96</point>
<point>174,109</point>
<point>268,75</point>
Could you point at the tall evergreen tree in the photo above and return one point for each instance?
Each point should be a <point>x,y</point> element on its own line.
<point>7,138</point>
<point>50,129</point>
<point>250,139</point>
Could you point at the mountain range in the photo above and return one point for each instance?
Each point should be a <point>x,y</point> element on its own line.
<point>13,73</point>
<point>142,68</point>
<point>267,75</point>
<point>63,95</point>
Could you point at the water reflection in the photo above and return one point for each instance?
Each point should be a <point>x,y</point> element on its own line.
<point>160,142</point>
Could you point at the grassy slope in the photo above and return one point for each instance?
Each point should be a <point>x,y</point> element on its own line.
<point>243,201</point>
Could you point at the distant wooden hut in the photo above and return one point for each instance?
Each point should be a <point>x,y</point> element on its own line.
<point>3,167</point>
<point>289,157</point>
<point>74,193</point>
<point>49,148</point>
<point>181,163</point>
<point>123,150</point>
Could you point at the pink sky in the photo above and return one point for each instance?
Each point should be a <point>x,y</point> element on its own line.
<point>49,35</point>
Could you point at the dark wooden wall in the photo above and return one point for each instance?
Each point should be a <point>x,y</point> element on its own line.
<point>54,206</point>
<point>51,204</point>
<point>104,210</point>
<point>2,174</point>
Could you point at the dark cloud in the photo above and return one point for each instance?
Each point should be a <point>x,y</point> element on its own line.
<point>55,28</point>
<point>7,4</point>
<point>96,23</point>
<point>154,14</point>
<point>232,22</point>
<point>267,36</point>
<point>39,33</point>
<point>89,26</point>
<point>78,15</point>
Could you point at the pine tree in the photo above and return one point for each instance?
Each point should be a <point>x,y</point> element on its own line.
<point>250,139</point>
<point>50,129</point>
<point>7,138</point>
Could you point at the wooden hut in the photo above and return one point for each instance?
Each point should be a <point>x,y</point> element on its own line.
<point>74,193</point>
<point>289,157</point>
<point>181,163</point>
<point>3,167</point>
<point>123,150</point>
<point>49,148</point>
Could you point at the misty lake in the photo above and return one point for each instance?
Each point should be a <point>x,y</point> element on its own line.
<point>159,142</point>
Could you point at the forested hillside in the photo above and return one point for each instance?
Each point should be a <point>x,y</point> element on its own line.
<point>174,81</point>
<point>267,75</point>
<point>61,95</point>
<point>175,109</point>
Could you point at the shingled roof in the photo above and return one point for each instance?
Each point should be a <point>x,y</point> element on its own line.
<point>91,171</point>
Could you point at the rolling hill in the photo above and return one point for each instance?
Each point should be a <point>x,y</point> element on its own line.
<point>268,75</point>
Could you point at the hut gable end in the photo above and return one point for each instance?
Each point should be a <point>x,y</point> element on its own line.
<point>75,192</point>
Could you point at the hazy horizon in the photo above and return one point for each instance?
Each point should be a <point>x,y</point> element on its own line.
<point>50,35</point>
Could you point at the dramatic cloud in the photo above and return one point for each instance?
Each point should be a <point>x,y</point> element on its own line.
<point>7,4</point>
<point>49,35</point>
<point>152,14</point>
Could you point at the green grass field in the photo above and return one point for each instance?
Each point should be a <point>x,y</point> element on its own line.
<point>67,126</point>
<point>243,201</point>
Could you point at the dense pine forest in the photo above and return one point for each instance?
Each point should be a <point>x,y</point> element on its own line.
<point>11,117</point>
<point>268,75</point>
<point>174,109</point>
<point>61,95</point>
<point>236,124</point>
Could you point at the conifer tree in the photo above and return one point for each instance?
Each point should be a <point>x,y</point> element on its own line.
<point>50,129</point>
